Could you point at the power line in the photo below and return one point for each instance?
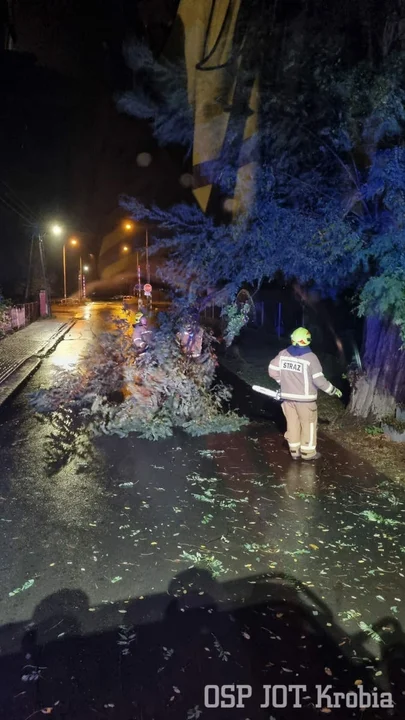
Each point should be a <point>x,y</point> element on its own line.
<point>17,212</point>
<point>14,197</point>
<point>17,201</point>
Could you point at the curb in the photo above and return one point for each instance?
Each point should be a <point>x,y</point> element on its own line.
<point>23,371</point>
<point>14,381</point>
<point>55,339</point>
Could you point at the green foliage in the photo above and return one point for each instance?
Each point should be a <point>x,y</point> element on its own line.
<point>205,560</point>
<point>87,385</point>
<point>163,389</point>
<point>384,295</point>
<point>236,319</point>
<point>373,430</point>
<point>347,615</point>
<point>374,100</point>
<point>330,188</point>
<point>379,519</point>
<point>372,634</point>
<point>211,453</point>
<point>160,95</point>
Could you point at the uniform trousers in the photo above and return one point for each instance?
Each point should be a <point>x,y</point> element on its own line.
<point>302,420</point>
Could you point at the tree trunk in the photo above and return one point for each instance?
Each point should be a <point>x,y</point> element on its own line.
<point>380,386</point>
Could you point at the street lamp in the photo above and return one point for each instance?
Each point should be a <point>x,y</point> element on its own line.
<point>57,229</point>
<point>73,242</point>
<point>128,225</point>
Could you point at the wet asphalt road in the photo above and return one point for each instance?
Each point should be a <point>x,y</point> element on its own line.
<point>222,559</point>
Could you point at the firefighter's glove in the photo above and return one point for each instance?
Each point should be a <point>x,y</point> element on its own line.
<point>338,393</point>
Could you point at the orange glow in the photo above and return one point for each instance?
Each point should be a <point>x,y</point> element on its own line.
<point>128,225</point>
<point>74,241</point>
<point>125,248</point>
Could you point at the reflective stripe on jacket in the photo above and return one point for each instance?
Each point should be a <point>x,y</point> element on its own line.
<point>299,374</point>
<point>141,335</point>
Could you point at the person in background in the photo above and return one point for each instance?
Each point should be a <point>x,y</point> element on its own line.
<point>191,335</point>
<point>299,373</point>
<point>142,334</point>
<point>191,340</point>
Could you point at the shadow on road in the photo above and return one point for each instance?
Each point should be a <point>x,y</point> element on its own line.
<point>256,407</point>
<point>66,441</point>
<point>150,658</point>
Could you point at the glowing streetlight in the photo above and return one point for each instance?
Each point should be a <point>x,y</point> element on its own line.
<point>73,242</point>
<point>57,229</point>
<point>86,268</point>
<point>128,226</point>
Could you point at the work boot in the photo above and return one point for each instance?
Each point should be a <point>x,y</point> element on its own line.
<point>312,457</point>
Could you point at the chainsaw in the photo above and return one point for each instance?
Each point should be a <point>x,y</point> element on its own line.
<point>275,394</point>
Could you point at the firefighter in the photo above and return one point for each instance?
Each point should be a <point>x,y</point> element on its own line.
<point>191,335</point>
<point>191,339</point>
<point>299,374</point>
<point>142,334</point>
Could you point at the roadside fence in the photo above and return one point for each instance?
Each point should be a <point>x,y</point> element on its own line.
<point>18,316</point>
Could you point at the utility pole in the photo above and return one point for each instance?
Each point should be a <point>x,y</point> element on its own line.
<point>64,270</point>
<point>43,267</point>
<point>28,285</point>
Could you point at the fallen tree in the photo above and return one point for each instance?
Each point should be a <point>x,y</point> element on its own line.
<point>116,390</point>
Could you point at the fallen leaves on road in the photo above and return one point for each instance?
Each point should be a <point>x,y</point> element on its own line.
<point>26,586</point>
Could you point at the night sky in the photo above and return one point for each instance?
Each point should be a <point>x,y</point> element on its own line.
<point>65,150</point>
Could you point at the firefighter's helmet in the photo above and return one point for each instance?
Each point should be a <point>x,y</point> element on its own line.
<point>301,336</point>
<point>138,318</point>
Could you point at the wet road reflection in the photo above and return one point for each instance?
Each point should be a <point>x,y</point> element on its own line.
<point>119,518</point>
